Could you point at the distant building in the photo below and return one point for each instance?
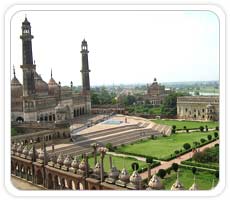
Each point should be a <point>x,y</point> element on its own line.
<point>198,107</point>
<point>156,94</point>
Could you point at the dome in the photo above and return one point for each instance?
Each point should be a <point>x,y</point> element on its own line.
<point>114,173</point>
<point>26,22</point>
<point>194,187</point>
<point>177,186</point>
<point>124,175</point>
<point>31,152</point>
<point>25,150</point>
<point>20,148</point>
<point>97,168</point>
<point>14,147</point>
<point>82,165</point>
<point>75,163</point>
<point>16,88</point>
<point>53,86</point>
<point>60,159</point>
<point>60,108</point>
<point>41,155</point>
<point>155,183</point>
<point>41,87</point>
<point>135,178</point>
<point>68,160</point>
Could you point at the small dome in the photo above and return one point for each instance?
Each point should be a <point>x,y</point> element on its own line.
<point>194,187</point>
<point>97,168</point>
<point>60,108</point>
<point>75,163</point>
<point>15,82</point>
<point>25,150</point>
<point>155,183</point>
<point>31,152</point>
<point>114,173</point>
<point>41,155</point>
<point>26,22</point>
<point>16,88</point>
<point>41,87</point>
<point>177,186</point>
<point>82,165</point>
<point>124,175</point>
<point>60,159</point>
<point>14,147</point>
<point>53,87</point>
<point>68,160</point>
<point>19,149</point>
<point>135,178</point>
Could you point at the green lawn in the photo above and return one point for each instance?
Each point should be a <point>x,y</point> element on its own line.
<point>188,124</point>
<point>163,146</point>
<point>118,162</point>
<point>204,179</point>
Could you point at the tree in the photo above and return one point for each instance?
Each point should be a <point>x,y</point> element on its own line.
<point>187,146</point>
<point>215,134</point>
<point>175,167</point>
<point>129,100</point>
<point>109,146</point>
<point>202,140</point>
<point>206,128</point>
<point>194,170</point>
<point>161,173</point>
<point>217,174</point>
<point>209,137</point>
<point>174,127</point>
<point>217,128</point>
<point>135,166</point>
<point>169,106</point>
<point>201,128</point>
<point>149,159</point>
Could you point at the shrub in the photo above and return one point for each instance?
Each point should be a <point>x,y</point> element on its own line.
<point>185,127</point>
<point>187,130</point>
<point>206,128</point>
<point>196,143</point>
<point>202,140</point>
<point>194,170</point>
<point>209,137</point>
<point>175,167</point>
<point>174,127</point>
<point>173,131</point>
<point>215,134</point>
<point>161,173</point>
<point>168,171</point>
<point>135,166</point>
<point>217,174</point>
<point>109,146</point>
<point>202,128</point>
<point>176,152</point>
<point>217,145</point>
<point>217,128</point>
<point>187,146</point>
<point>149,159</point>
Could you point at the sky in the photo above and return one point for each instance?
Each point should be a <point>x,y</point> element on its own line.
<point>125,47</point>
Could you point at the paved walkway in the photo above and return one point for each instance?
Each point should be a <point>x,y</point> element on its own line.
<point>167,164</point>
<point>125,155</point>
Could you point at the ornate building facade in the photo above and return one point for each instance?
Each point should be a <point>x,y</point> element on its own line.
<point>198,108</point>
<point>36,100</point>
<point>156,94</point>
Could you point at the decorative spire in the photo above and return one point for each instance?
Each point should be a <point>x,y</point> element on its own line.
<point>14,71</point>
<point>51,73</point>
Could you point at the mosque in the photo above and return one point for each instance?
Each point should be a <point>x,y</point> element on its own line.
<point>37,101</point>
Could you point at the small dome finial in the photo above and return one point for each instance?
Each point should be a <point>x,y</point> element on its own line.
<point>51,73</point>
<point>14,70</point>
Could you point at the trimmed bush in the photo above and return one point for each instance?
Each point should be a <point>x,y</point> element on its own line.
<point>175,167</point>
<point>174,127</point>
<point>161,173</point>
<point>109,146</point>
<point>217,128</point>
<point>209,137</point>
<point>176,152</point>
<point>201,128</point>
<point>149,160</point>
<point>187,146</point>
<point>194,170</point>
<point>135,166</point>
<point>215,134</point>
<point>202,140</point>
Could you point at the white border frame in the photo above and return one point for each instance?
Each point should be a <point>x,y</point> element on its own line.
<point>222,60</point>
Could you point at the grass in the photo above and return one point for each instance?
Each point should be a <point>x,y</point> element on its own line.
<point>188,124</point>
<point>163,146</point>
<point>204,179</point>
<point>118,162</point>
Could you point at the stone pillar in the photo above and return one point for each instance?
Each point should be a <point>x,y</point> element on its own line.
<point>102,151</point>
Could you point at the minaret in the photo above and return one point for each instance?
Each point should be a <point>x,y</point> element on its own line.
<point>85,68</point>
<point>27,66</point>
